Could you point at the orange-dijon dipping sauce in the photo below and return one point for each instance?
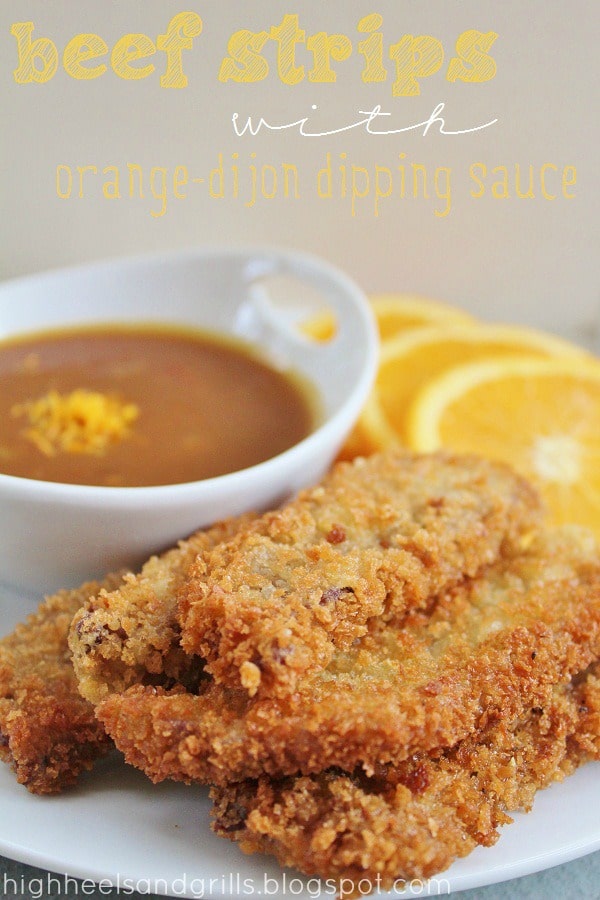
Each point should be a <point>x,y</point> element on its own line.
<point>136,406</point>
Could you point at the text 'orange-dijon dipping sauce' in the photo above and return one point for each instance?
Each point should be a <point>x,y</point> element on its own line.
<point>146,405</point>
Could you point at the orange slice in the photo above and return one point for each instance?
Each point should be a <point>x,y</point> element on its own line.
<point>541,416</point>
<point>396,313</point>
<point>410,360</point>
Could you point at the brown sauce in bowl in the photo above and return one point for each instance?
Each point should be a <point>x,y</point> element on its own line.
<point>138,406</point>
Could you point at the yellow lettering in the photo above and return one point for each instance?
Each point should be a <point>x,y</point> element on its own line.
<point>235,173</point>
<point>180,179</point>
<point>288,170</point>
<point>216,181</point>
<point>82,170</point>
<point>342,168</point>
<point>43,50</point>
<point>482,168</point>
<point>245,63</point>
<point>110,189</point>
<point>500,188</point>
<point>252,199</point>
<point>402,173</point>
<point>38,60</point>
<point>64,193</point>
<point>543,169</point>
<point>372,49</point>
<point>380,192</point>
<point>287,36</point>
<point>135,169</point>
<point>529,194</point>
<point>158,189</point>
<point>324,180</point>
<point>443,192</point>
<point>472,47</point>
<point>419,169</point>
<point>324,46</point>
<point>415,57</point>
<point>129,48</point>
<point>268,192</point>
<point>569,179</point>
<point>360,186</point>
<point>81,48</point>
<point>179,37</point>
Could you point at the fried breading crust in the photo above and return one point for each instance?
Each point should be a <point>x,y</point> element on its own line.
<point>376,537</point>
<point>48,732</point>
<point>414,820</point>
<point>131,635</point>
<point>483,650</point>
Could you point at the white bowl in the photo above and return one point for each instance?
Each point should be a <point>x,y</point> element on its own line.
<point>57,535</point>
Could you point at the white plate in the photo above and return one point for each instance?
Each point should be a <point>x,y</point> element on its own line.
<point>156,838</point>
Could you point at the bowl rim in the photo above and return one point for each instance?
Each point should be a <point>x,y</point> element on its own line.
<point>163,494</point>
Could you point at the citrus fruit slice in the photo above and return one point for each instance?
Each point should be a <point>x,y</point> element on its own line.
<point>396,313</point>
<point>541,416</point>
<point>408,361</point>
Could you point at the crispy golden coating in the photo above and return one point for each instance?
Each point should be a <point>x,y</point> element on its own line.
<point>480,653</point>
<point>48,732</point>
<point>413,820</point>
<point>377,537</point>
<point>131,635</point>
<point>125,629</point>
